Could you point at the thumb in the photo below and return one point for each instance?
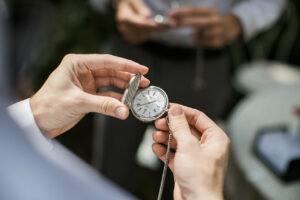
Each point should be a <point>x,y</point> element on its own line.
<point>105,105</point>
<point>180,127</point>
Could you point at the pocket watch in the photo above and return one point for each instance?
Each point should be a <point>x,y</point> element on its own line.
<point>162,20</point>
<point>146,104</point>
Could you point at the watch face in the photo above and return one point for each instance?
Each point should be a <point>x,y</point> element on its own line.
<point>149,104</point>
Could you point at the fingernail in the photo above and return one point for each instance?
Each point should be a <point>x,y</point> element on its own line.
<point>121,111</point>
<point>176,111</point>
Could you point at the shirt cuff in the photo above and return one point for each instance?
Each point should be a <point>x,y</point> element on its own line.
<point>21,113</point>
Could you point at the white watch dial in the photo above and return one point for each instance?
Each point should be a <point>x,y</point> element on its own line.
<point>149,103</point>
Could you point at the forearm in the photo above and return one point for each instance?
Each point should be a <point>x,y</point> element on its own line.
<point>257,15</point>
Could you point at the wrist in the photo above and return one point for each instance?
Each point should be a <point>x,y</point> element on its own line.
<point>38,114</point>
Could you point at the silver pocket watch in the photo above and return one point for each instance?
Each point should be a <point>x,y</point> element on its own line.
<point>162,20</point>
<point>146,104</point>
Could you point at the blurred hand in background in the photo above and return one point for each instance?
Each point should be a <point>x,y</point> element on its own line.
<point>200,161</point>
<point>70,92</point>
<point>134,21</point>
<point>211,29</point>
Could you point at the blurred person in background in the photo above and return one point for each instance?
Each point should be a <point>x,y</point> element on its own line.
<point>188,58</point>
<point>33,166</point>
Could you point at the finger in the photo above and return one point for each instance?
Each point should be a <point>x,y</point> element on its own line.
<point>213,43</point>
<point>112,94</point>
<point>121,75</point>
<point>191,12</point>
<point>196,133</point>
<point>177,191</point>
<point>161,125</point>
<point>121,84</point>
<point>140,7</point>
<point>113,73</point>
<point>190,114</point>
<point>104,105</point>
<point>202,123</point>
<point>96,62</point>
<point>196,118</point>
<point>142,24</point>
<point>105,82</point>
<point>160,151</point>
<point>163,138</point>
<point>199,22</point>
<point>127,16</point>
<point>180,128</point>
<point>199,120</point>
<point>212,32</point>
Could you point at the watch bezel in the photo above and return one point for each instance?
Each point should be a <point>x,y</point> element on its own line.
<point>147,119</point>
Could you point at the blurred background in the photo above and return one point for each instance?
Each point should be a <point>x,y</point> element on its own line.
<point>261,113</point>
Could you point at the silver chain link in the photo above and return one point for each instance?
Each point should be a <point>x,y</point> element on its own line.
<point>164,174</point>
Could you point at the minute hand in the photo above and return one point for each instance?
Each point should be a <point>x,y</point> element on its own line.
<point>147,103</point>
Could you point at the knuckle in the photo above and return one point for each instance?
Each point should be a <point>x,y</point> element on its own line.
<point>105,60</point>
<point>69,57</point>
<point>71,60</point>
<point>107,106</point>
<point>180,127</point>
<point>106,56</point>
<point>112,73</point>
<point>227,142</point>
<point>197,117</point>
<point>104,106</point>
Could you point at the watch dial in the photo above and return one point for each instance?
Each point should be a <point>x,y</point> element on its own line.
<point>150,103</point>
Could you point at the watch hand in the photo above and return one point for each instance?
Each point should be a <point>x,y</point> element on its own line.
<point>147,103</point>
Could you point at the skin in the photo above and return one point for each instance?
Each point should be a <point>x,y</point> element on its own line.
<point>134,21</point>
<point>211,29</point>
<point>200,160</point>
<point>70,92</point>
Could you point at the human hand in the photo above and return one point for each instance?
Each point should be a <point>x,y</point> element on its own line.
<point>134,21</point>
<point>70,92</point>
<point>200,160</point>
<point>211,29</point>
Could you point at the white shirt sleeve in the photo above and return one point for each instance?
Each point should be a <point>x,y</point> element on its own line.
<point>257,15</point>
<point>21,113</point>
